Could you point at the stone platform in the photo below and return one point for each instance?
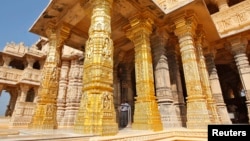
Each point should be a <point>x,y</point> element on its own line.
<point>125,134</point>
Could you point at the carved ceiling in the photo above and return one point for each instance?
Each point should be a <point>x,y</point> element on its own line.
<point>76,14</point>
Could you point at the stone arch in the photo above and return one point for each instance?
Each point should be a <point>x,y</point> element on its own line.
<point>17,64</point>
<point>4,104</point>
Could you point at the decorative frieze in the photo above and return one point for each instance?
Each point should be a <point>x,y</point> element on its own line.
<point>233,20</point>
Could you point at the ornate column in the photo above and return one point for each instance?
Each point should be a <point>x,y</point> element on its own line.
<point>146,114</point>
<point>96,114</point>
<point>45,113</point>
<point>216,89</point>
<point>238,46</point>
<point>61,98</point>
<point>162,81</point>
<point>7,59</point>
<point>175,80</point>
<point>197,111</point>
<point>72,100</point>
<point>30,61</point>
<point>212,109</point>
<point>24,90</point>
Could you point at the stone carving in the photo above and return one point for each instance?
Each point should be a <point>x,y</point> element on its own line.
<point>232,20</point>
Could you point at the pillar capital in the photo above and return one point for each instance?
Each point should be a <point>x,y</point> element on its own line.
<point>63,32</point>
<point>237,45</point>
<point>50,30</point>
<point>24,87</point>
<point>185,25</point>
<point>138,24</point>
<point>200,34</point>
<point>162,33</point>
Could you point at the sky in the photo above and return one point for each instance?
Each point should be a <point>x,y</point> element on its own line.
<point>16,18</point>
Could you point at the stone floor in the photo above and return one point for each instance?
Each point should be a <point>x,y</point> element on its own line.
<point>125,134</point>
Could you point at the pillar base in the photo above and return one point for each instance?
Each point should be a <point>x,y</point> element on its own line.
<point>106,129</point>
<point>197,115</point>
<point>44,117</point>
<point>147,117</point>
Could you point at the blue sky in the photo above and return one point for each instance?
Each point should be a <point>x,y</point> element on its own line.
<point>16,18</point>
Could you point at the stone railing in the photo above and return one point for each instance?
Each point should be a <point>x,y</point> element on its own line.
<point>14,76</point>
<point>23,114</point>
<point>31,76</point>
<point>233,20</point>
<point>9,75</point>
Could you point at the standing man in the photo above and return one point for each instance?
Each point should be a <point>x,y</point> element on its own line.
<point>124,113</point>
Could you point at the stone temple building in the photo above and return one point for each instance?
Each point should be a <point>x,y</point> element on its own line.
<point>179,64</point>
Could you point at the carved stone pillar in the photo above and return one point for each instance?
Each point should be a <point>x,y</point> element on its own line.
<point>7,59</point>
<point>197,111</point>
<point>96,114</point>
<point>30,61</point>
<point>175,80</point>
<point>238,48</point>
<point>72,99</point>
<point>216,89</point>
<point>45,113</point>
<point>41,62</point>
<point>162,82</point>
<point>146,114</point>
<point>24,90</point>
<point>61,98</point>
<point>206,88</point>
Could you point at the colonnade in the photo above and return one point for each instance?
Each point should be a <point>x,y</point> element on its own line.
<point>96,113</point>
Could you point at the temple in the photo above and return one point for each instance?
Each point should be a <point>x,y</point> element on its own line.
<point>180,64</point>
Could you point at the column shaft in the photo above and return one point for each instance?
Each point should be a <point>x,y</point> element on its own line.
<point>205,79</point>
<point>96,114</point>
<point>175,80</point>
<point>146,114</point>
<point>45,113</point>
<point>197,111</point>
<point>238,47</point>
<point>216,90</point>
<point>61,98</point>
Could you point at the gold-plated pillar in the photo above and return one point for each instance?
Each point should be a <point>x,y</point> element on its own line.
<point>214,117</point>
<point>96,114</point>
<point>197,111</point>
<point>146,114</point>
<point>45,113</point>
